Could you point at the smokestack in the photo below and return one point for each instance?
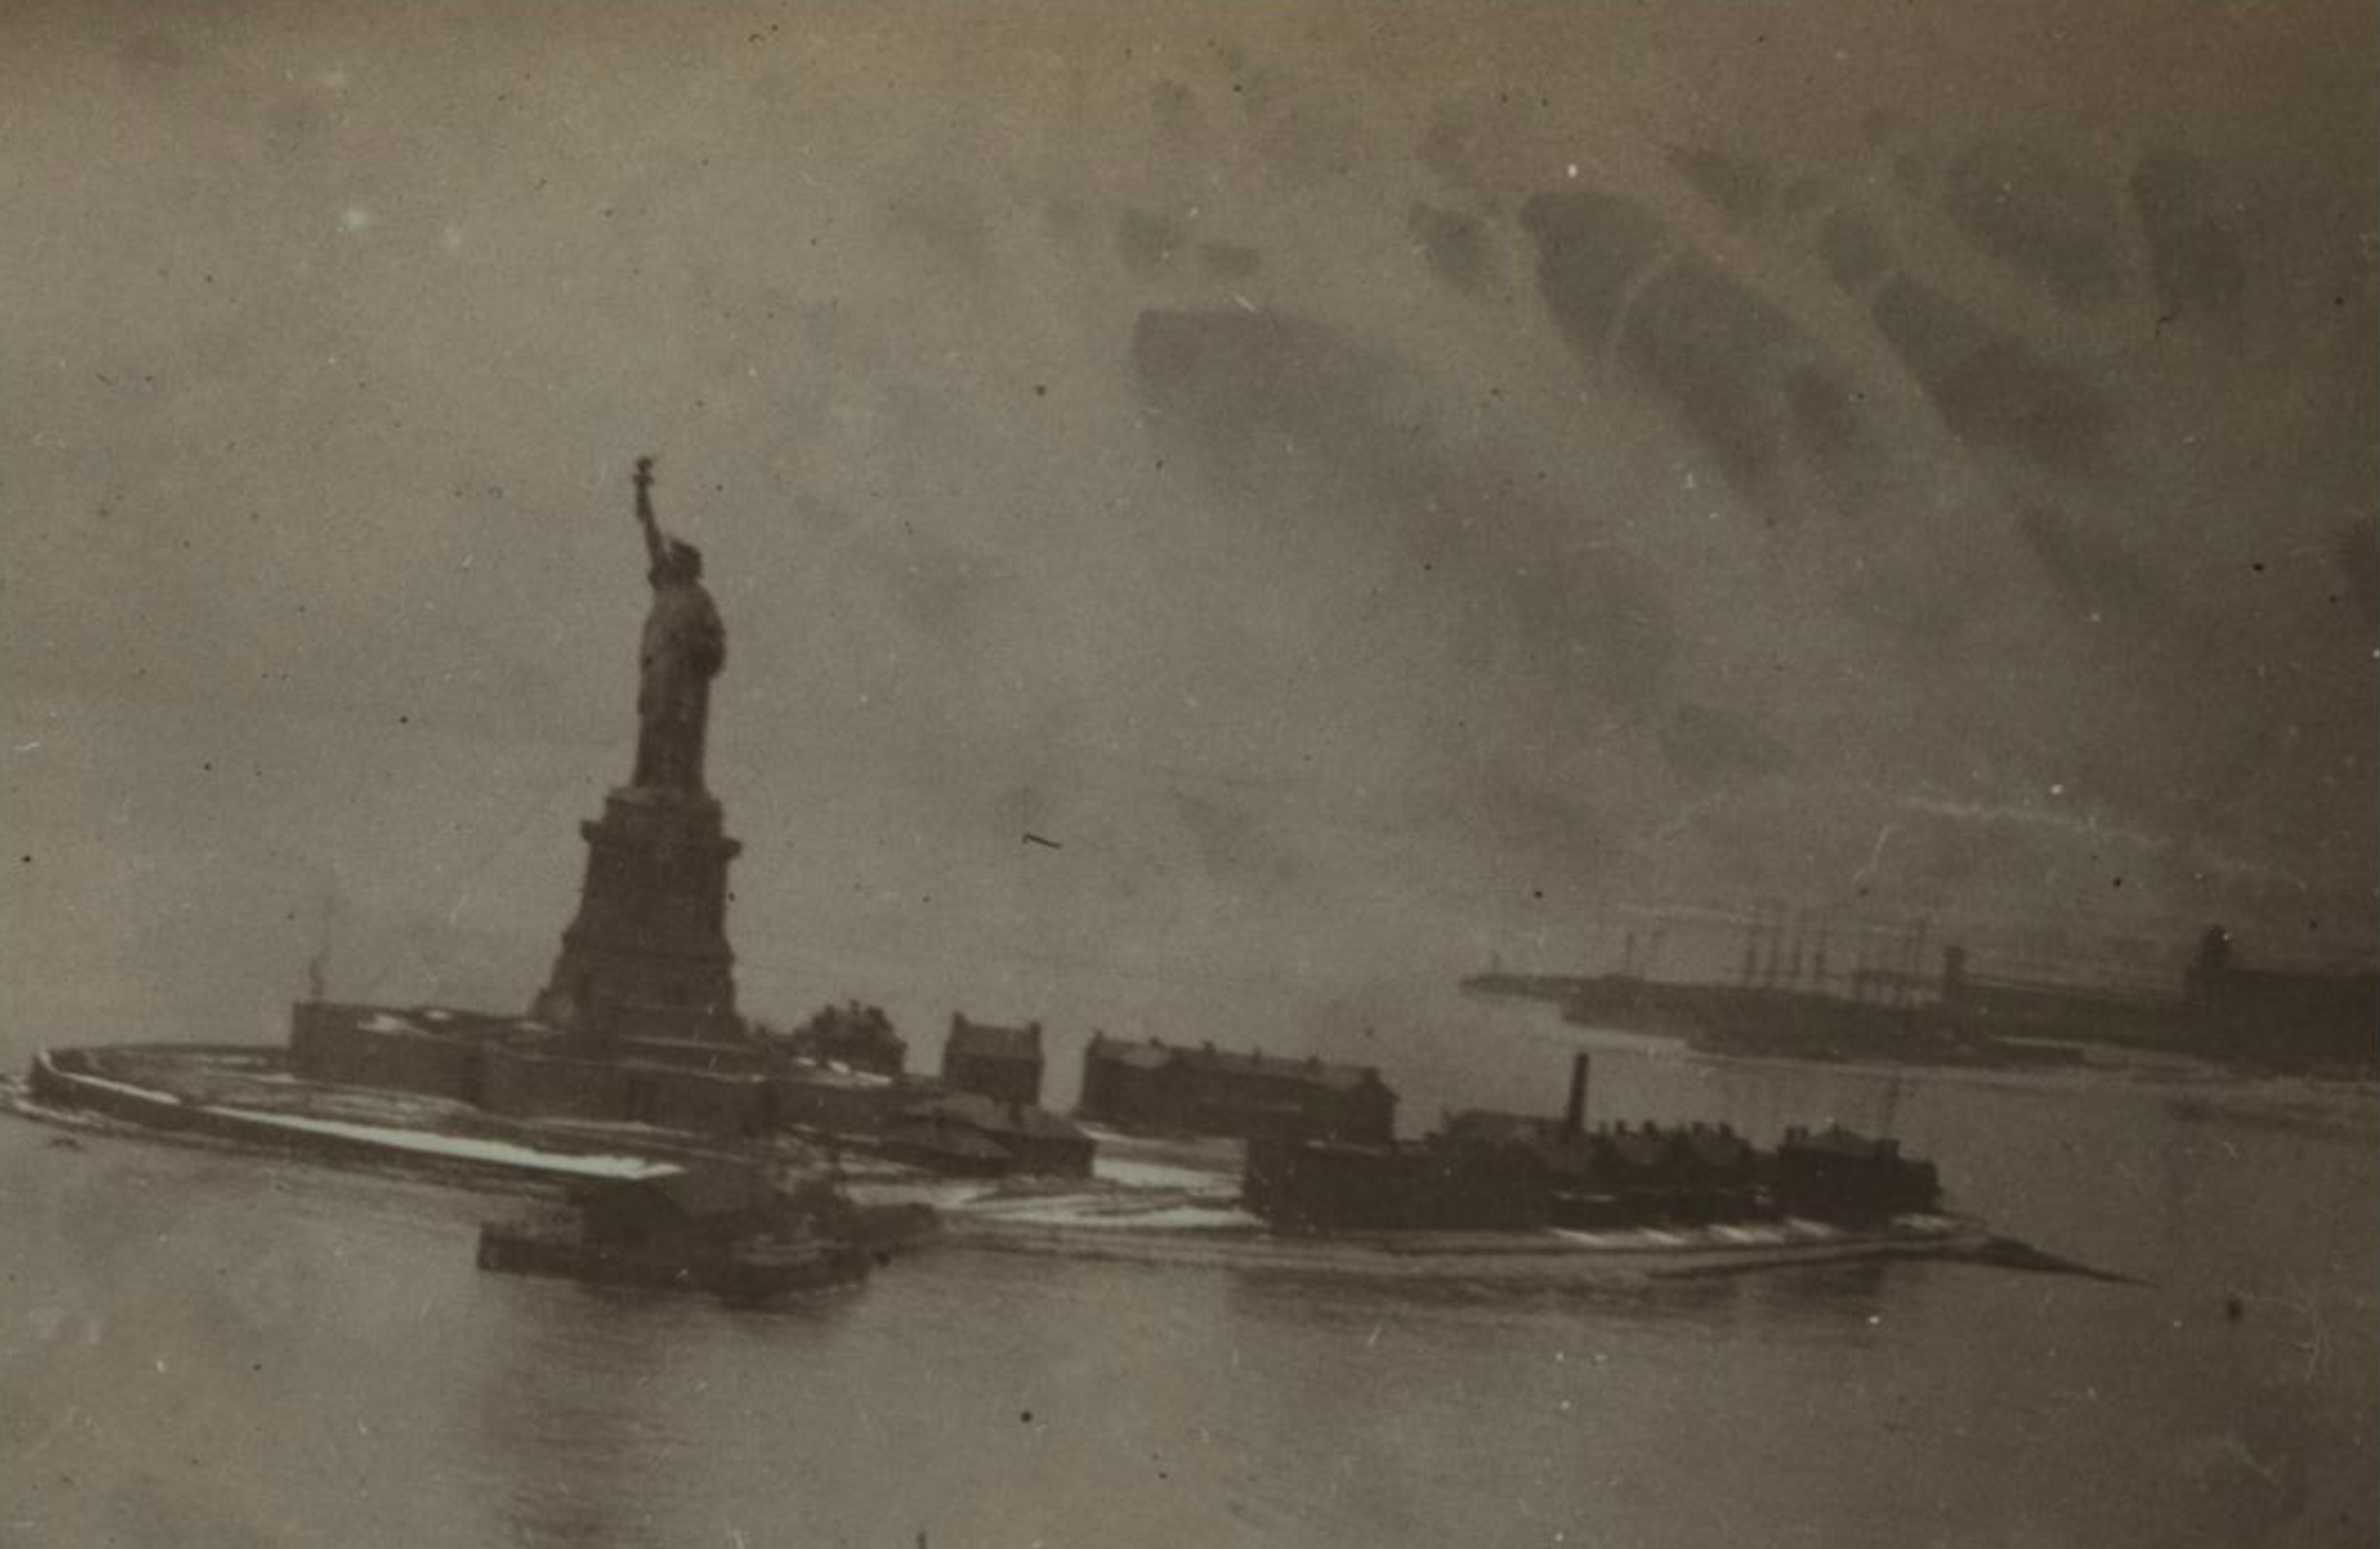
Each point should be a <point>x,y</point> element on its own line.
<point>1574,1114</point>
<point>1917,957</point>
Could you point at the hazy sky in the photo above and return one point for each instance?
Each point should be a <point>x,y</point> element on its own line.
<point>1377,485</point>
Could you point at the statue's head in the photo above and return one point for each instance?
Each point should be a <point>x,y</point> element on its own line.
<point>681,561</point>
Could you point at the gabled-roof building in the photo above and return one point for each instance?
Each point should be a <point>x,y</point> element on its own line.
<point>967,1132</point>
<point>1002,1063</point>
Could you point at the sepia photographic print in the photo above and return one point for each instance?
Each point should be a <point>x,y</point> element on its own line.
<point>1163,776</point>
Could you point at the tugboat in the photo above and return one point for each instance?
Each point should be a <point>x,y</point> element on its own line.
<point>722,1229</point>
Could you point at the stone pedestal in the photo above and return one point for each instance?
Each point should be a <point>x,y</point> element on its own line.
<point>646,960</point>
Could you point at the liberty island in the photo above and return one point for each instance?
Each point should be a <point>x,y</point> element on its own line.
<point>704,1147</point>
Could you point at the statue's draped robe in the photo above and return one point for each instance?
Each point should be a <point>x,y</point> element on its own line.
<point>685,646</point>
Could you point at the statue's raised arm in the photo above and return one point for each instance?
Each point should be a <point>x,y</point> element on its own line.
<point>683,648</point>
<point>653,545</point>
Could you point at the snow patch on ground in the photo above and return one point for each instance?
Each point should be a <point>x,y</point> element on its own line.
<point>142,1093</point>
<point>1174,1218</point>
<point>1132,1173</point>
<point>504,1153</point>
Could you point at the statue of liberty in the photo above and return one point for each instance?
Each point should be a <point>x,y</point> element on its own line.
<point>683,648</point>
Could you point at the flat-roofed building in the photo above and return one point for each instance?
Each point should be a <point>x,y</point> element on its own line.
<point>1204,1090</point>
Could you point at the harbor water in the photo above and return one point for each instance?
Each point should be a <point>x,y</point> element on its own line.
<point>206,1348</point>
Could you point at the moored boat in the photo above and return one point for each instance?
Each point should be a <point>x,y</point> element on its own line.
<point>726,1230</point>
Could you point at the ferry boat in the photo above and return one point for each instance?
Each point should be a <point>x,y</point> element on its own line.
<point>726,1230</point>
